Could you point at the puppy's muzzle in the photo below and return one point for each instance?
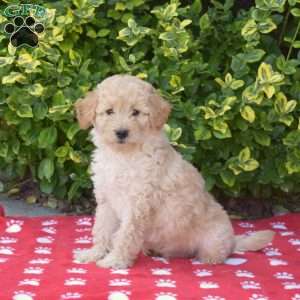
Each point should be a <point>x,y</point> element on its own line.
<point>121,134</point>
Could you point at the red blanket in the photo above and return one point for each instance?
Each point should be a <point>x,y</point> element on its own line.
<point>36,262</point>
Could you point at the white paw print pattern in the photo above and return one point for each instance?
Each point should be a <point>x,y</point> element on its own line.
<point>243,273</point>
<point>283,275</point>
<point>8,240</point>
<point>49,223</point>
<point>119,282</point>
<point>160,259</point>
<point>23,295</point>
<point>235,261</point>
<point>42,261</point>
<point>296,297</point>
<point>70,295</point>
<point>294,242</point>
<point>31,281</point>
<point>210,297</point>
<point>83,229</point>
<point>77,271</point>
<point>209,285</point>
<point>75,281</point>
<point>86,221</point>
<point>118,295</point>
<point>45,240</point>
<point>272,252</point>
<point>14,226</point>
<point>279,225</point>
<point>250,285</point>
<point>258,297</point>
<point>291,285</point>
<point>83,240</point>
<point>33,270</point>
<point>246,225</point>
<point>196,261</point>
<point>277,262</point>
<point>165,296</point>
<point>161,271</point>
<point>203,273</point>
<point>286,233</point>
<point>49,230</point>
<point>7,250</point>
<point>43,250</point>
<point>165,283</point>
<point>120,271</point>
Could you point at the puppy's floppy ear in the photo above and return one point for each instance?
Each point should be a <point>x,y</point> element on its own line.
<point>86,109</point>
<point>160,110</point>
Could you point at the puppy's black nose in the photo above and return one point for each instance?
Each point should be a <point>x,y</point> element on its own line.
<point>122,134</point>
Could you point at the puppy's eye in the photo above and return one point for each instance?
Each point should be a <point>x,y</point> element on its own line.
<point>135,112</point>
<point>109,111</point>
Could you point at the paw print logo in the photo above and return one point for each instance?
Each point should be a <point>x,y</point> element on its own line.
<point>50,230</point>
<point>279,225</point>
<point>77,271</point>
<point>83,240</point>
<point>75,281</point>
<point>42,250</point>
<point>24,32</point>
<point>49,223</point>
<point>86,221</point>
<point>165,283</point>
<point>71,296</point>
<point>119,271</point>
<point>45,239</point>
<point>161,271</point>
<point>246,225</point>
<point>287,233</point>
<point>32,282</point>
<point>272,252</point>
<point>34,270</point>
<point>42,261</point>
<point>277,262</point>
<point>294,242</point>
<point>241,273</point>
<point>83,229</point>
<point>283,275</point>
<point>165,296</point>
<point>210,297</point>
<point>119,295</point>
<point>258,297</point>
<point>250,285</point>
<point>22,295</point>
<point>119,282</point>
<point>7,250</point>
<point>291,285</point>
<point>209,285</point>
<point>203,273</point>
<point>14,226</point>
<point>7,240</point>
<point>235,261</point>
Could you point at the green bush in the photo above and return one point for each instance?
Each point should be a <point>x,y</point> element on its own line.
<point>231,75</point>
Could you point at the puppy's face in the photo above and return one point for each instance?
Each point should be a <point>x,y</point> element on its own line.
<point>123,109</point>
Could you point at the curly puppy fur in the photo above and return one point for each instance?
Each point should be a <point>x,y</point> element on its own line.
<point>148,197</point>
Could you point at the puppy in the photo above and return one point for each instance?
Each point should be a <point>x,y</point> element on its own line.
<point>148,197</point>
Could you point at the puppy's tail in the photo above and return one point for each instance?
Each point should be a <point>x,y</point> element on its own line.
<point>253,242</point>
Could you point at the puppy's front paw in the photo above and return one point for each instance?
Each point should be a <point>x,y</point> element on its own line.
<point>89,255</point>
<point>114,262</point>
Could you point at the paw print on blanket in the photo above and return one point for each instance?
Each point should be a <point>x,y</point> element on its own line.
<point>86,221</point>
<point>242,273</point>
<point>283,275</point>
<point>43,250</point>
<point>272,252</point>
<point>250,285</point>
<point>42,261</point>
<point>24,32</point>
<point>120,271</point>
<point>49,222</point>
<point>286,233</point>
<point>32,282</point>
<point>22,295</point>
<point>258,297</point>
<point>291,285</point>
<point>7,250</point>
<point>279,225</point>
<point>161,271</point>
<point>45,240</point>
<point>209,285</point>
<point>119,282</point>
<point>246,225</point>
<point>235,261</point>
<point>118,295</point>
<point>165,283</point>
<point>7,240</point>
<point>49,229</point>
<point>294,242</point>
<point>75,281</point>
<point>14,226</point>
<point>210,297</point>
<point>70,295</point>
<point>84,240</point>
<point>277,262</point>
<point>77,271</point>
<point>160,259</point>
<point>85,229</point>
<point>33,270</point>
<point>203,273</point>
<point>196,261</point>
<point>165,296</point>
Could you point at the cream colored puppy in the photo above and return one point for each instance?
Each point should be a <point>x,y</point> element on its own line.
<point>148,197</point>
